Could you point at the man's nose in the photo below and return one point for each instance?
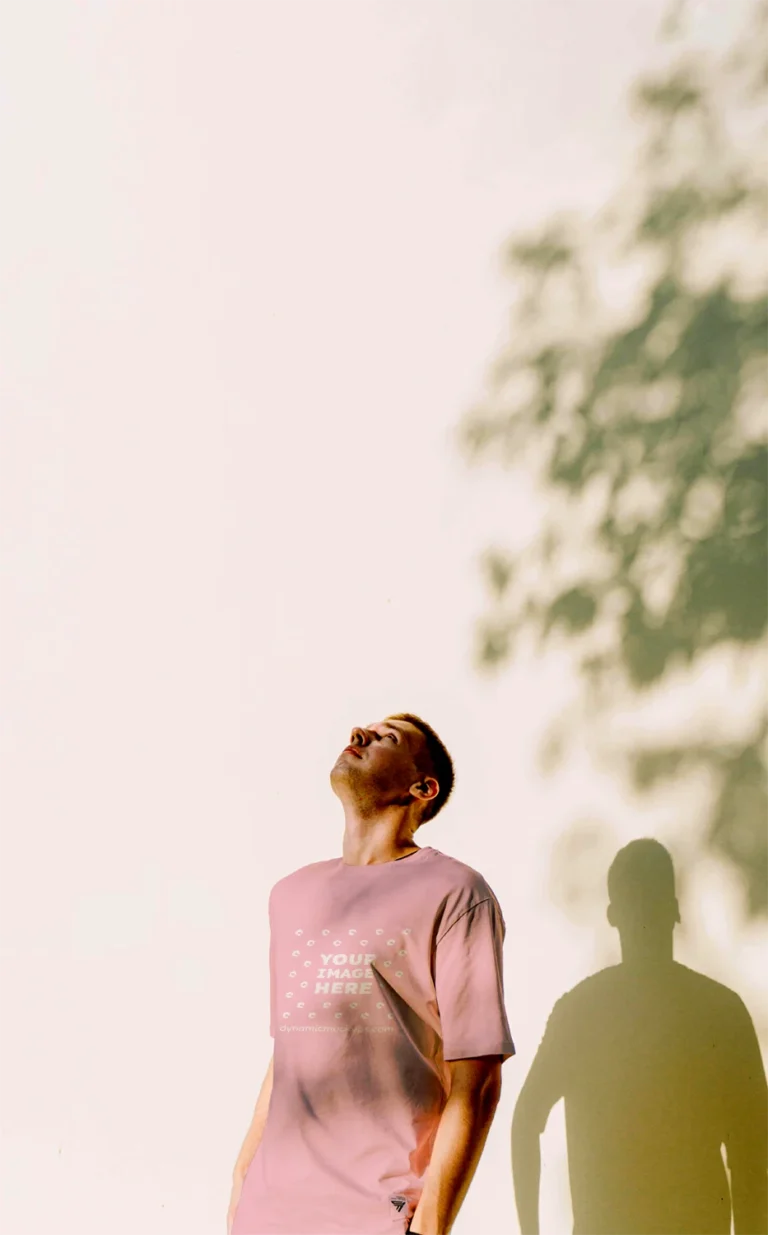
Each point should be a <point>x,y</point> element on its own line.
<point>360,737</point>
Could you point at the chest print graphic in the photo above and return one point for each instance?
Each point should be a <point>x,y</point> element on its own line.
<point>332,980</point>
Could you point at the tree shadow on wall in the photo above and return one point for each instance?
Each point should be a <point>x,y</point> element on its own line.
<point>650,440</point>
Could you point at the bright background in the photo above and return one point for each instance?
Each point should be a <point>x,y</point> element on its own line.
<point>249,285</point>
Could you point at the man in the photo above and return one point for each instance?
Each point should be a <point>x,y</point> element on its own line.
<point>387,1011</point>
<point>659,1067</point>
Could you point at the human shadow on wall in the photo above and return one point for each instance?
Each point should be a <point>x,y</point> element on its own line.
<point>659,1066</point>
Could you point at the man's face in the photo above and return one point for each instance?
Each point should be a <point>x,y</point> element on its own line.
<point>381,764</point>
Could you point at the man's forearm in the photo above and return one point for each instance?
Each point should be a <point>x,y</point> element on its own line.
<point>526,1176</point>
<point>249,1146</point>
<point>459,1142</point>
<point>256,1130</point>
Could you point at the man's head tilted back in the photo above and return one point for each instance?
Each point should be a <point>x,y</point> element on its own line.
<point>396,762</point>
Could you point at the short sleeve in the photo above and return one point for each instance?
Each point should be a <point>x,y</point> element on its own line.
<point>469,984</point>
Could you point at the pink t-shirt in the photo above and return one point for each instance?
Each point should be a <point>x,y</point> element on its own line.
<point>379,975</point>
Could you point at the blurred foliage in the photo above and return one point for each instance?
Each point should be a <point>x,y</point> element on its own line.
<point>646,428</point>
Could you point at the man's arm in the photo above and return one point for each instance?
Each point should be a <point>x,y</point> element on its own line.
<point>255,1131</point>
<point>459,1142</point>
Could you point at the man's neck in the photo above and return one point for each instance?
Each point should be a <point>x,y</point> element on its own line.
<point>368,855</point>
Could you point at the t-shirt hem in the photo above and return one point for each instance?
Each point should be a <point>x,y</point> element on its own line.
<point>473,1051</point>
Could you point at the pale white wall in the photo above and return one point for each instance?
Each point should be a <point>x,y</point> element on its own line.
<point>248,289</point>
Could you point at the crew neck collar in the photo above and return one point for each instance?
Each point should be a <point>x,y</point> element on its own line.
<point>409,858</point>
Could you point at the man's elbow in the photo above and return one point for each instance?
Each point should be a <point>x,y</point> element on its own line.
<point>476,1081</point>
<point>492,1091</point>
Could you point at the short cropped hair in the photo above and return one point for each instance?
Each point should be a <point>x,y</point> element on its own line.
<point>434,760</point>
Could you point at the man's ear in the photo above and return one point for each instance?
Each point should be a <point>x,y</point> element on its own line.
<point>425,786</point>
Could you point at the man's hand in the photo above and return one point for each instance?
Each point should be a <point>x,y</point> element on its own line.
<point>234,1200</point>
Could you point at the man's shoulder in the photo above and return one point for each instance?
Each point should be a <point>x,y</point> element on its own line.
<point>462,889</point>
<point>468,879</point>
<point>310,870</point>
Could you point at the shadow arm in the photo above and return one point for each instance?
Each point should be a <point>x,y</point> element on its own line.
<point>541,1091</point>
<point>746,1137</point>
